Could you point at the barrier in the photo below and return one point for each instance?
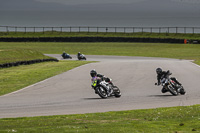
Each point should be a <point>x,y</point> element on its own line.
<point>90,39</point>
<point>6,65</point>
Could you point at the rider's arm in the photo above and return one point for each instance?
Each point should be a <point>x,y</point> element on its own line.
<point>169,73</point>
<point>101,76</point>
<point>158,79</point>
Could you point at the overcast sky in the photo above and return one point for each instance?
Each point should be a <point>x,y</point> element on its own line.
<point>149,5</point>
<point>97,12</point>
<point>78,2</point>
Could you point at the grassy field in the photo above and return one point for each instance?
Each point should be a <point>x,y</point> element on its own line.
<point>14,55</point>
<point>161,120</point>
<point>30,74</point>
<point>179,51</point>
<point>100,34</point>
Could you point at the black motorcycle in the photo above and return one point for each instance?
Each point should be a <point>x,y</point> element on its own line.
<point>81,57</point>
<point>66,56</point>
<point>171,85</point>
<point>105,89</point>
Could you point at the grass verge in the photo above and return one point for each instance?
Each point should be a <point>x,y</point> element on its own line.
<point>14,55</point>
<point>30,74</point>
<point>171,120</point>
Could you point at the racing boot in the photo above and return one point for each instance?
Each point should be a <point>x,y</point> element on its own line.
<point>164,90</point>
<point>95,91</point>
<point>110,91</point>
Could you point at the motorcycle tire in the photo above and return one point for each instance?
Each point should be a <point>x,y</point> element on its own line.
<point>117,92</point>
<point>172,90</point>
<point>182,91</point>
<point>102,92</point>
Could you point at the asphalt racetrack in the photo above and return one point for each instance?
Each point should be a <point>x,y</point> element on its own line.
<point>71,93</point>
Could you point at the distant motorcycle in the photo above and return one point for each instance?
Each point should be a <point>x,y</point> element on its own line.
<point>66,56</point>
<point>170,85</point>
<point>105,89</point>
<point>81,57</point>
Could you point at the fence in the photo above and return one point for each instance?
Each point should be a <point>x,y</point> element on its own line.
<point>192,30</point>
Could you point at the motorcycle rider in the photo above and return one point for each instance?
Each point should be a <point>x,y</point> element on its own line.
<point>99,78</point>
<point>64,54</point>
<point>79,54</point>
<point>161,76</point>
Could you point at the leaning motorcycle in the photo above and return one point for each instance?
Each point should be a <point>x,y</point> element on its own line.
<point>105,89</point>
<point>81,57</point>
<point>174,88</point>
<point>66,56</point>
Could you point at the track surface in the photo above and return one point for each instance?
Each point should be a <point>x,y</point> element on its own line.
<point>71,93</point>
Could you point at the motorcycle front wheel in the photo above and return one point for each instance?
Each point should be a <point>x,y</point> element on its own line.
<point>182,91</point>
<point>117,91</point>
<point>172,90</point>
<point>102,92</point>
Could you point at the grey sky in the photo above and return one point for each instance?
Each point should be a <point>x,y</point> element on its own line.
<point>100,12</point>
<point>78,2</point>
<point>150,5</point>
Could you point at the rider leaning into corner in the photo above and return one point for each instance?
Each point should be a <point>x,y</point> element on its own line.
<point>162,75</point>
<point>79,54</point>
<point>64,54</point>
<point>98,77</point>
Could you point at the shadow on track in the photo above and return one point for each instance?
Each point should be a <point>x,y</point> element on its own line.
<point>92,98</point>
<point>160,95</point>
<point>98,98</point>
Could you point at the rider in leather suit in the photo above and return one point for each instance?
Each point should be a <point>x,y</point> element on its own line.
<point>162,75</point>
<point>98,77</point>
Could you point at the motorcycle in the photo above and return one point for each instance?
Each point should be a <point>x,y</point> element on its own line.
<point>81,57</point>
<point>172,86</point>
<point>66,56</point>
<point>105,89</point>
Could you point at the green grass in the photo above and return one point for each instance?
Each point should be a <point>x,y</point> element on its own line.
<point>179,51</point>
<point>30,74</point>
<point>14,55</point>
<point>100,34</point>
<point>168,120</point>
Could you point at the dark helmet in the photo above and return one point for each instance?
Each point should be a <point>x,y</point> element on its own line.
<point>158,70</point>
<point>93,73</point>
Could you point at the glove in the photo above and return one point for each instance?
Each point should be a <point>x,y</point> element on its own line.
<point>157,84</point>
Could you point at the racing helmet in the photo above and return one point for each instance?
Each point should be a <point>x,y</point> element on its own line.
<point>158,70</point>
<point>93,73</point>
